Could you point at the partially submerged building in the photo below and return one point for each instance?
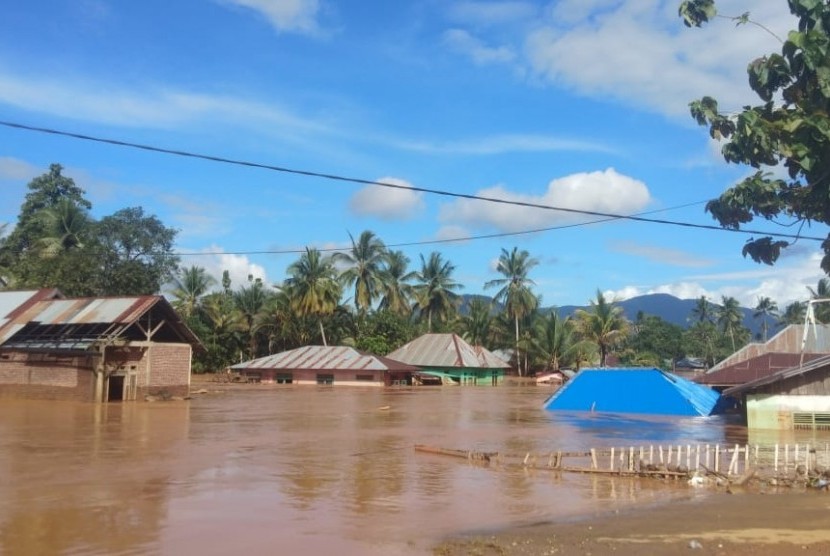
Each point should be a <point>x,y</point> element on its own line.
<point>754,368</point>
<point>796,397</point>
<point>452,360</point>
<point>92,349</point>
<point>336,365</point>
<point>797,339</point>
<point>785,354</point>
<point>634,390</point>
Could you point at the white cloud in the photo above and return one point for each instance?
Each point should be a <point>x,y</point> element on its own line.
<point>153,107</point>
<point>491,13</point>
<point>452,232</point>
<point>640,52</point>
<point>501,144</point>
<point>673,257</point>
<point>784,283</point>
<point>239,267</point>
<point>606,192</point>
<point>286,15</point>
<point>387,203</point>
<point>463,42</point>
<point>16,169</point>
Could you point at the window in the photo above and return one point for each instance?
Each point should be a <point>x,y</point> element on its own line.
<point>285,378</point>
<point>811,420</point>
<point>325,379</point>
<point>368,378</point>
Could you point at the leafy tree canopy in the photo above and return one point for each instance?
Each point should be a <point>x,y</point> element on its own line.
<point>56,243</point>
<point>791,126</point>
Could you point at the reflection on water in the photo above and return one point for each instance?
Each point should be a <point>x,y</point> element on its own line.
<point>286,469</point>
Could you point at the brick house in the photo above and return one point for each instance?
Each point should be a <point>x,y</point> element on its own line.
<point>92,349</point>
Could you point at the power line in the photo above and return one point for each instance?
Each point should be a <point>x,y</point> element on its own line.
<point>336,177</point>
<point>430,241</point>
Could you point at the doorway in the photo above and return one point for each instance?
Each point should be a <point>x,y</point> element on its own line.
<point>115,389</point>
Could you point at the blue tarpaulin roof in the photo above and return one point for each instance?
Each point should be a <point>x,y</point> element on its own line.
<point>634,390</point>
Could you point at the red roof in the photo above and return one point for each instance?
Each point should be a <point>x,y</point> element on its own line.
<point>754,368</point>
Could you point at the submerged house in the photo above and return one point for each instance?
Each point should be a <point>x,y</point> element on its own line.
<point>452,360</point>
<point>797,397</point>
<point>796,339</point>
<point>748,370</point>
<point>336,365</point>
<point>634,390</point>
<point>92,349</point>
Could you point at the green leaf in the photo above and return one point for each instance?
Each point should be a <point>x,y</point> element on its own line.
<point>764,250</point>
<point>697,12</point>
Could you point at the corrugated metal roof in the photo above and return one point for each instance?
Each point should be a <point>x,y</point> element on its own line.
<point>808,367</point>
<point>13,303</point>
<point>446,350</point>
<point>627,390</point>
<point>789,340</point>
<point>9,301</point>
<point>490,359</point>
<point>754,368</point>
<point>325,358</point>
<point>93,310</point>
<point>77,323</point>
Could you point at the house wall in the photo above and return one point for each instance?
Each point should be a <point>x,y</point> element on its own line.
<point>469,375</point>
<point>160,369</point>
<point>41,376</point>
<point>307,377</point>
<point>775,411</point>
<point>815,383</point>
<point>165,370</point>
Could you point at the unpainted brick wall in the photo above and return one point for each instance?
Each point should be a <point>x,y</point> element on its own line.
<point>28,376</point>
<point>169,369</point>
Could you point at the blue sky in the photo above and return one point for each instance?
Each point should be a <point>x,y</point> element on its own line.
<point>577,103</point>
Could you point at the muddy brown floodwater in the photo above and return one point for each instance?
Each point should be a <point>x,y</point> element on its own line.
<point>303,470</point>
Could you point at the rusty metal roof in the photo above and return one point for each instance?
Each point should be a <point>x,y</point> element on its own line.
<point>446,350</point>
<point>817,364</point>
<point>753,369</point>
<point>789,340</point>
<point>77,323</point>
<point>13,303</point>
<point>332,358</point>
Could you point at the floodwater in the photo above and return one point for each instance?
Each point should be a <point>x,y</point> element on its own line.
<point>313,470</point>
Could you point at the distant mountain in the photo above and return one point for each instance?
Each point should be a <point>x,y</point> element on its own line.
<point>667,307</point>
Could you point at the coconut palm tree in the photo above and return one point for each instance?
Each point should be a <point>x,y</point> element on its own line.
<point>554,341</point>
<point>702,311</point>
<point>363,264</point>
<point>515,292</point>
<point>395,288</point>
<point>188,288</point>
<point>312,286</point>
<point>821,311</point>
<point>765,308</point>
<point>476,324</point>
<point>604,325</point>
<point>794,313</point>
<point>250,300</point>
<point>730,317</point>
<point>434,292</point>
<point>227,325</point>
<point>277,322</point>
<point>65,225</point>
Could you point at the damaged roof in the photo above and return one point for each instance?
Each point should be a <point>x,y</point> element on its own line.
<point>46,322</point>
